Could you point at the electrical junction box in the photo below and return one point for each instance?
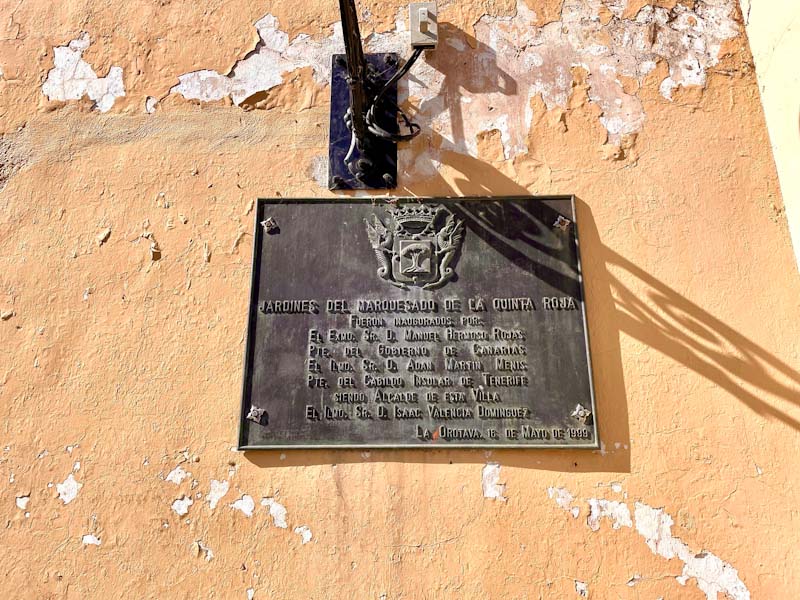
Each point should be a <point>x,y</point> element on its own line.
<point>424,25</point>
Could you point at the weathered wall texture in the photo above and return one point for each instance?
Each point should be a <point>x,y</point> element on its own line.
<point>135,138</point>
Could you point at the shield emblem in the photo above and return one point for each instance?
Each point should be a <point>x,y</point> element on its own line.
<point>415,260</point>
<point>417,245</point>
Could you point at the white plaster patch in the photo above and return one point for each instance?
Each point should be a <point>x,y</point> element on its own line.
<point>68,489</point>
<point>181,505</point>
<point>304,532</point>
<point>246,504</point>
<point>71,77</point>
<point>518,60</point>
<point>319,171</point>
<point>277,511</point>
<point>22,502</point>
<point>263,68</point>
<point>250,593</point>
<point>217,491</point>
<point>713,575</point>
<point>647,66</point>
<point>177,475</point>
<point>90,540</point>
<point>582,589</point>
<point>564,499</point>
<point>490,481</point>
<point>460,92</point>
<point>618,512</point>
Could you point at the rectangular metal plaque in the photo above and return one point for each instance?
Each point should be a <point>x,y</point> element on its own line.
<point>417,323</point>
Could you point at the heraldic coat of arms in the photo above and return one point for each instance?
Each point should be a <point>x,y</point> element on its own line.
<point>416,245</point>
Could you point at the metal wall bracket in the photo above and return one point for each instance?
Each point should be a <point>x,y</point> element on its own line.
<point>374,165</point>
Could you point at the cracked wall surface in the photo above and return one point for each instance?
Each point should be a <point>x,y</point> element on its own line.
<point>134,140</point>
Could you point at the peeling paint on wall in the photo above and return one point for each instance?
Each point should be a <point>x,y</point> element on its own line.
<point>263,68</point>
<point>712,575</point>
<point>246,504</point>
<point>539,59</point>
<point>304,532</point>
<point>319,170</point>
<point>616,511</point>
<point>90,540</point>
<point>490,481</point>
<point>177,475</point>
<point>514,61</point>
<point>71,77</point>
<point>277,511</point>
<point>564,499</point>
<point>68,489</point>
<point>181,505</point>
<point>217,491</point>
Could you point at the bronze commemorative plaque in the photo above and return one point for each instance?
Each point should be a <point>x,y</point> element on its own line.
<point>417,323</point>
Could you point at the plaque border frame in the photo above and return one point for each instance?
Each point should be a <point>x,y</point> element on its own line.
<point>258,242</point>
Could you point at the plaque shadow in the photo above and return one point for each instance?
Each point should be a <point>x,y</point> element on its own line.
<point>652,313</point>
<point>468,65</point>
<point>609,386</point>
<point>624,299</point>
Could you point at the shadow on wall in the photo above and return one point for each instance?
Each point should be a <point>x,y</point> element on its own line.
<point>658,317</point>
<point>665,320</point>
<point>470,66</point>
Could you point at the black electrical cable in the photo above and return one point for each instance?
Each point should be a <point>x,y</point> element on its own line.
<point>372,125</point>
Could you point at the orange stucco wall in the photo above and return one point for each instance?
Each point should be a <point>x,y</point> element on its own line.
<point>125,240</point>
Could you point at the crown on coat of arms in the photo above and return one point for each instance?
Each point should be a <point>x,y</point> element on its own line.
<point>416,215</point>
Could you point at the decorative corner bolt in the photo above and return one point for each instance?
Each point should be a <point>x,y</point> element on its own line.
<point>582,415</point>
<point>257,415</point>
<point>562,223</point>
<point>364,129</point>
<point>270,225</point>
